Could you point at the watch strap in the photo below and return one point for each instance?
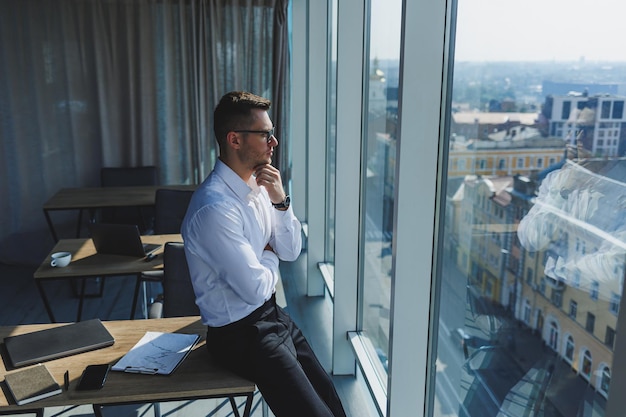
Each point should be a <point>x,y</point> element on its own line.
<point>283,204</point>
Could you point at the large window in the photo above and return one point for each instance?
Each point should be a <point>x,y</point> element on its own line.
<point>565,212</point>
<point>331,135</point>
<point>493,139</point>
<point>379,157</point>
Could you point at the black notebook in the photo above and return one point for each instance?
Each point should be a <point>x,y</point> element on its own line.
<point>56,342</point>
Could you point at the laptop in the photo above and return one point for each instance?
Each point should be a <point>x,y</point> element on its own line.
<point>56,342</point>
<point>120,239</point>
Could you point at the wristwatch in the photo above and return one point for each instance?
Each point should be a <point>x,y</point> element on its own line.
<point>283,204</point>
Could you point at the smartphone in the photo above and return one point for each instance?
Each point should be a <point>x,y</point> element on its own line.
<point>93,377</point>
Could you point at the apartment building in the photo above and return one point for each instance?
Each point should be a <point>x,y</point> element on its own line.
<point>567,293</point>
<point>598,121</point>
<point>518,150</point>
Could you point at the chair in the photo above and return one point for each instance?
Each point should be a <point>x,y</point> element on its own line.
<point>124,177</point>
<point>169,211</point>
<point>178,295</point>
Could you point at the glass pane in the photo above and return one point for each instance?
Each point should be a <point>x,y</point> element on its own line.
<point>331,109</point>
<point>535,220</point>
<point>380,150</point>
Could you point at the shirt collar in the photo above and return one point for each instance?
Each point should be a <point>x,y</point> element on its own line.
<point>235,183</point>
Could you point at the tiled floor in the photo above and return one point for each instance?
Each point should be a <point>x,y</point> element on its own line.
<point>20,303</point>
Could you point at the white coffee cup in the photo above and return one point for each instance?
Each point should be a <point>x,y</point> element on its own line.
<point>61,259</point>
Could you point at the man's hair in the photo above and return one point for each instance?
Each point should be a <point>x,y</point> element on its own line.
<point>234,112</point>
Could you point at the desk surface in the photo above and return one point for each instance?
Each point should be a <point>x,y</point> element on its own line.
<point>197,377</point>
<point>86,262</point>
<point>102,197</point>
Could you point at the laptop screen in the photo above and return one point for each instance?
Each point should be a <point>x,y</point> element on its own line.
<point>119,239</point>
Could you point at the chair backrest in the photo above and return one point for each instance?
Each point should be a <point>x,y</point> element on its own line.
<point>128,176</point>
<point>170,209</point>
<point>179,298</point>
<point>125,177</point>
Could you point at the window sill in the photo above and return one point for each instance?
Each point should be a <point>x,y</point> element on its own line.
<point>371,369</point>
<point>328,274</point>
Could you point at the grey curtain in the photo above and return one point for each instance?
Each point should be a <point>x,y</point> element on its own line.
<point>87,84</point>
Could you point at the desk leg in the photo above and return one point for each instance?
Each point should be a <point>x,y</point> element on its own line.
<point>248,407</point>
<point>97,410</point>
<point>233,405</point>
<point>46,303</point>
<point>79,222</point>
<point>51,226</point>
<point>81,299</point>
<point>133,308</point>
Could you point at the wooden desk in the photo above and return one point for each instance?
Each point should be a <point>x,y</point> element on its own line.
<point>102,197</point>
<point>197,377</point>
<point>87,263</point>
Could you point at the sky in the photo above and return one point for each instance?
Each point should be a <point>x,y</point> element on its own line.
<point>519,30</point>
<point>541,30</point>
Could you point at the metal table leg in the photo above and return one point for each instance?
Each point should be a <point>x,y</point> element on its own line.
<point>46,303</point>
<point>51,226</point>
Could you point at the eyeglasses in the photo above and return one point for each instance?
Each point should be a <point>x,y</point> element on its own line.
<point>269,134</point>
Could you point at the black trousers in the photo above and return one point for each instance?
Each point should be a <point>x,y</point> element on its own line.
<point>268,348</point>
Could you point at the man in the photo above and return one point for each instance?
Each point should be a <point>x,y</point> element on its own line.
<point>238,225</point>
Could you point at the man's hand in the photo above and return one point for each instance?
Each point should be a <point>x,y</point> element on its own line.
<point>269,177</point>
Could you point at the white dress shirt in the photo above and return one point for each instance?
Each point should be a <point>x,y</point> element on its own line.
<point>226,229</point>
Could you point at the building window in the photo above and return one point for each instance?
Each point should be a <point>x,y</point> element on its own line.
<point>576,279</point>
<point>594,290</point>
<point>565,111</point>
<point>554,336</point>
<point>590,323</point>
<point>618,110</point>
<point>573,309</point>
<point>527,311</point>
<point>586,364</point>
<point>569,349</point>
<point>609,338</point>
<point>606,110</point>
<point>614,303</point>
<point>557,298</point>
<point>520,162</point>
<point>605,380</point>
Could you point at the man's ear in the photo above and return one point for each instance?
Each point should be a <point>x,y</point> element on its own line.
<point>233,139</point>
